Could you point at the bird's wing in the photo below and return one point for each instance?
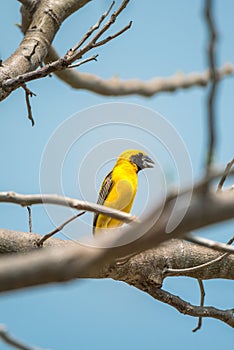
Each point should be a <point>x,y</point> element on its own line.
<point>104,191</point>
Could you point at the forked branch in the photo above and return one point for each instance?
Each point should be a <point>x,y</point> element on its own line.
<point>72,55</point>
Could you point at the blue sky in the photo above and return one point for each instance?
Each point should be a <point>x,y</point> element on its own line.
<point>166,37</point>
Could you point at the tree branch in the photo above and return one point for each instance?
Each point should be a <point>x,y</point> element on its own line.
<point>32,199</point>
<point>58,264</point>
<point>186,308</point>
<point>144,271</point>
<point>118,87</point>
<point>74,54</point>
<point>28,94</point>
<point>46,21</point>
<point>93,28</point>
<point>225,174</point>
<point>202,300</point>
<point>29,218</point>
<point>175,255</point>
<point>8,339</point>
<point>213,89</point>
<point>42,240</point>
<point>221,247</point>
<point>202,210</point>
<point>168,271</point>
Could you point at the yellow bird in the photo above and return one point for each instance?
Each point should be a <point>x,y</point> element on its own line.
<point>119,188</point>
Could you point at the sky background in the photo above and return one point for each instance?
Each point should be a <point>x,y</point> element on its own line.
<point>166,37</point>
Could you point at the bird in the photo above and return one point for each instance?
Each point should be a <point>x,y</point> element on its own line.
<point>119,187</point>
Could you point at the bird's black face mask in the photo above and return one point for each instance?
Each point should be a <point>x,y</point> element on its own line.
<point>142,161</point>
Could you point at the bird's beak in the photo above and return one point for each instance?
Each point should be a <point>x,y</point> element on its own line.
<point>147,162</point>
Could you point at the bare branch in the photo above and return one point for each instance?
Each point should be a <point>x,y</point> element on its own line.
<point>117,87</point>
<point>32,199</point>
<point>29,93</point>
<point>186,308</point>
<point>72,55</point>
<point>43,72</point>
<point>93,28</point>
<point>111,37</point>
<point>52,233</point>
<point>152,261</point>
<point>202,292</point>
<point>203,210</point>
<point>8,339</point>
<point>198,267</point>
<point>92,58</point>
<point>170,271</point>
<point>93,42</point>
<point>221,247</point>
<point>225,174</point>
<point>29,218</point>
<point>142,270</point>
<point>46,21</point>
<point>90,257</point>
<point>214,80</point>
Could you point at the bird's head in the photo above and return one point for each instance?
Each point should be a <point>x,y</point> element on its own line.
<point>137,157</point>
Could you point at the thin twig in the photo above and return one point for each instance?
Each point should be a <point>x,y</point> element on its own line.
<point>221,247</point>
<point>195,268</point>
<point>93,58</point>
<point>93,28</point>
<point>29,218</point>
<point>73,55</point>
<point>225,174</point>
<point>202,293</point>
<point>111,37</point>
<point>8,339</point>
<point>28,94</point>
<point>213,88</point>
<point>52,233</point>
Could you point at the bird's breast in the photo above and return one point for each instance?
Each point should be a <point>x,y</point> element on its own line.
<point>124,190</point>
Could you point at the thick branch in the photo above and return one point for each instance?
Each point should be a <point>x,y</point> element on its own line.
<point>175,255</point>
<point>144,271</point>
